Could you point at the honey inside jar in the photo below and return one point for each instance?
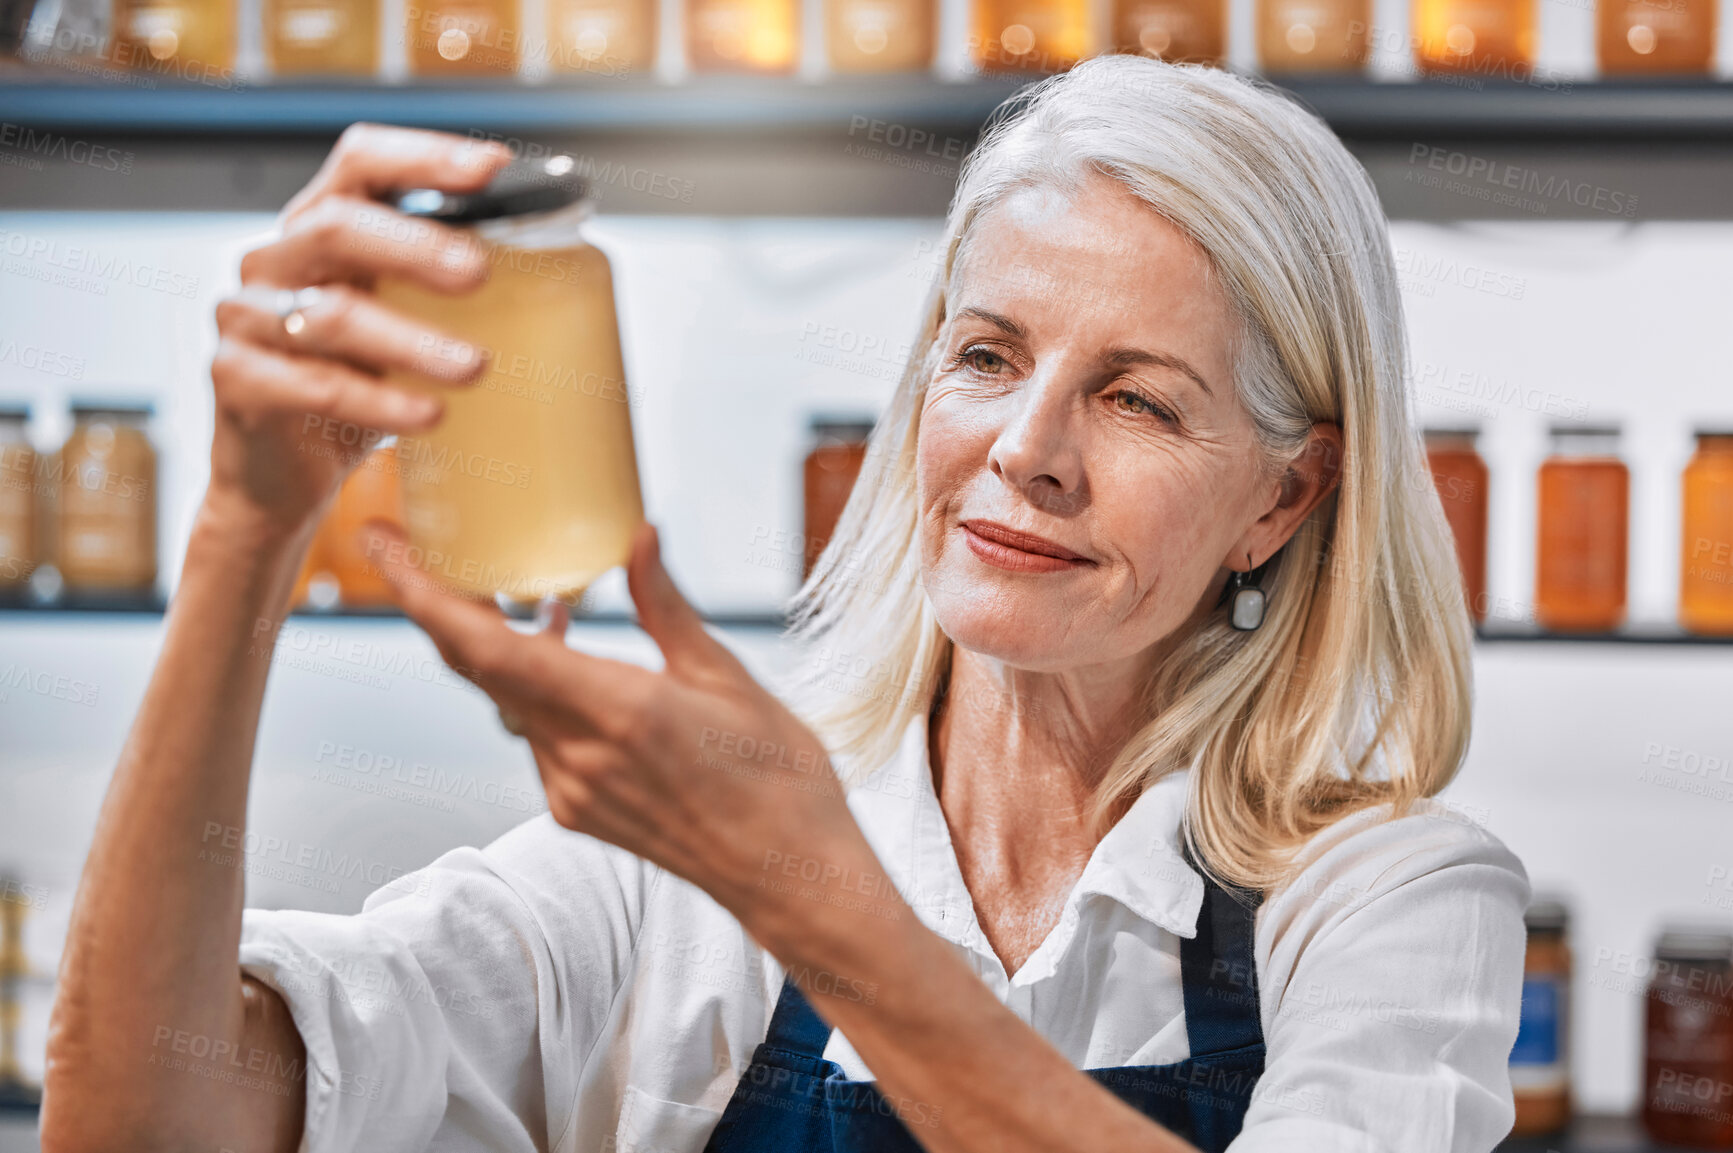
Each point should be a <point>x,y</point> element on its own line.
<point>528,487</point>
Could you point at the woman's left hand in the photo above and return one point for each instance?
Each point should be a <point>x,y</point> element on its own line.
<point>697,768</point>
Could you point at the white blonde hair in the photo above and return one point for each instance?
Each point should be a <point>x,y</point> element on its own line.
<point>1356,690</point>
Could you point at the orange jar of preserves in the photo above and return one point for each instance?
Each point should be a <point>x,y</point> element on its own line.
<point>1706,541</point>
<point>1540,1060</point>
<point>1183,31</point>
<point>1494,38</point>
<point>107,499</point>
<point>1030,35</point>
<point>1460,477</point>
<point>743,35</point>
<point>1688,1040</point>
<point>1653,37</point>
<point>1314,35</point>
<point>18,536</point>
<point>880,35</point>
<point>1584,525</point>
<point>839,449</point>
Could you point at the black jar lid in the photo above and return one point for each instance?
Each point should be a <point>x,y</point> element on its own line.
<point>1546,915</point>
<point>522,187</point>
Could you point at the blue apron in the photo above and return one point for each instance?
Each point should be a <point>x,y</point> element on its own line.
<point>792,1100</point>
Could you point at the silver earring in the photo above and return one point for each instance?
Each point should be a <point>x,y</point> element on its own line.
<point>1245,603</point>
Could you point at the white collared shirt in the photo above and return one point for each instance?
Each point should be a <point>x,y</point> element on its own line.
<point>552,992</point>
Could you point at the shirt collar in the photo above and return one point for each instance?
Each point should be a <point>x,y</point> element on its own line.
<point>1137,864</point>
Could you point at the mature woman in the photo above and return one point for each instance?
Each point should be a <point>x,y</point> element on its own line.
<point>1141,648</point>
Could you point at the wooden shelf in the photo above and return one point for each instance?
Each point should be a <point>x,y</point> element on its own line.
<point>1683,110</point>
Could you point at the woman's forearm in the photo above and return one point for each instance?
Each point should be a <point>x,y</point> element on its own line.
<point>962,1071</point>
<point>151,1014</point>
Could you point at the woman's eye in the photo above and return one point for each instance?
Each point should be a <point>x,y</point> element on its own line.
<point>982,360</point>
<point>1139,405</point>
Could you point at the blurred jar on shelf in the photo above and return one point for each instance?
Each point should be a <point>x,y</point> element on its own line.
<point>528,488</point>
<point>838,449</point>
<point>107,500</point>
<point>1688,1039</point>
<point>1706,537</point>
<point>1584,526</point>
<point>19,542</point>
<point>603,37</point>
<point>1299,36</point>
<point>322,37</point>
<point>1540,1060</point>
<point>193,39</point>
<point>1493,37</point>
<point>463,37</point>
<point>743,35</point>
<point>1030,35</point>
<point>1646,37</point>
<point>1460,476</point>
<point>1182,31</point>
<point>880,35</point>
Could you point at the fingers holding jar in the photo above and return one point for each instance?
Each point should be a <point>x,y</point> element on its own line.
<point>348,324</point>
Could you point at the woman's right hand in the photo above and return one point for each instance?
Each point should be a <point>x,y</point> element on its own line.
<point>296,410</point>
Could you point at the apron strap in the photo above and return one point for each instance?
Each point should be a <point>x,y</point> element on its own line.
<point>1219,969</point>
<point>795,1027</point>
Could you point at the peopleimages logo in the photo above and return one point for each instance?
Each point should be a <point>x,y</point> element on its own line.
<point>1502,182</point>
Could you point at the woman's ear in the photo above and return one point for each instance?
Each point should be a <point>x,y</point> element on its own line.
<point>1311,477</point>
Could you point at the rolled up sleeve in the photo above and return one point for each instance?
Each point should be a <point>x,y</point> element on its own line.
<point>1392,983</point>
<point>436,1017</point>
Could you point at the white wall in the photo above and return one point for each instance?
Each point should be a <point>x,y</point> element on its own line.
<point>735,331</point>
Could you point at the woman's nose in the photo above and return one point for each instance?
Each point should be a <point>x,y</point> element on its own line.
<point>1038,448</point>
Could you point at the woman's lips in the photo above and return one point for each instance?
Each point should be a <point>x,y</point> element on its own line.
<point>1019,552</point>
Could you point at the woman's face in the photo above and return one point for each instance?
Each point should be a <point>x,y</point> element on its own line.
<point>1084,397</point>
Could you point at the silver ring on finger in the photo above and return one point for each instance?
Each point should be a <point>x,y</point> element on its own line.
<point>292,304</point>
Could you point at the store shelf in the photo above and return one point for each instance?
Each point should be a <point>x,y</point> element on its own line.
<point>1569,111</point>
<point>1590,1135</point>
<point>1638,634</point>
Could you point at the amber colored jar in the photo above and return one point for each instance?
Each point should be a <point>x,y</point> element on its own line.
<point>1688,1040</point>
<point>1314,35</point>
<point>1706,540</point>
<point>463,37</point>
<point>605,37</point>
<point>1540,1060</point>
<point>18,535</point>
<point>187,39</point>
<point>838,450</point>
<point>1584,525</point>
<point>322,37</point>
<point>743,35</point>
<point>1492,37</point>
<point>1030,35</point>
<point>1183,31</point>
<point>1460,477</point>
<point>1646,37</point>
<point>880,35</point>
<point>372,492</point>
<point>107,500</point>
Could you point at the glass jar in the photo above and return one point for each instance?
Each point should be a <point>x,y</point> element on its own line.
<point>371,492</point>
<point>1706,540</point>
<point>743,35</point>
<point>528,488</point>
<point>606,37</point>
<point>1688,1040</point>
<point>1540,1061</point>
<point>463,37</point>
<point>1030,35</point>
<point>838,450</point>
<point>1182,31</point>
<point>18,535</point>
<point>1314,35</point>
<point>1459,474</point>
<point>193,37</point>
<point>322,37</point>
<point>880,35</point>
<point>1493,37</point>
<point>1647,37</point>
<point>107,500</point>
<point>1584,504</point>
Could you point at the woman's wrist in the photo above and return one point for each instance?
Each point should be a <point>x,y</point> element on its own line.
<point>830,909</point>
